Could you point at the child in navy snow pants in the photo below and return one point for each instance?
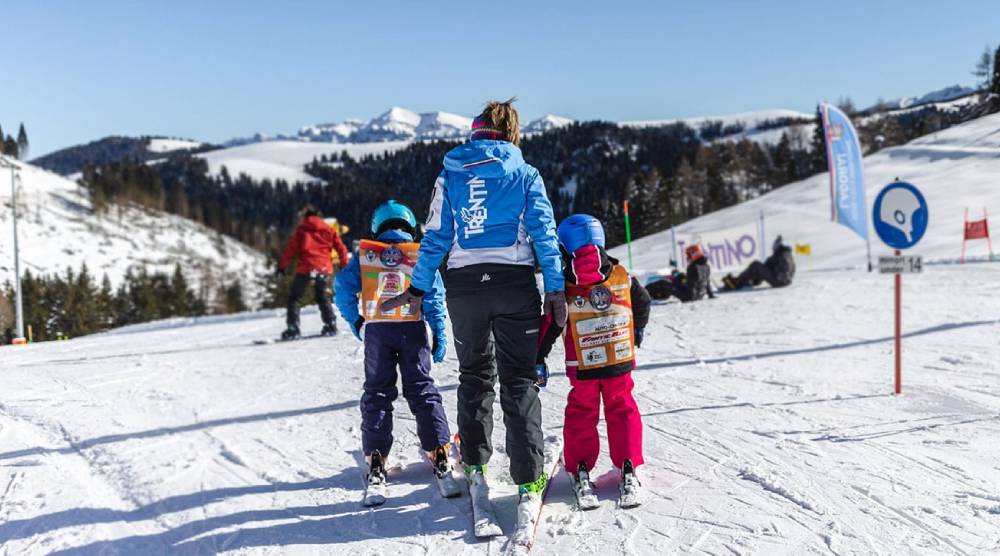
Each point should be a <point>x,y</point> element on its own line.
<point>404,345</point>
<point>398,347</point>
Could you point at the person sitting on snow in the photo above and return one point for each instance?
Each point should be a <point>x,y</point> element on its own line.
<point>393,339</point>
<point>312,243</point>
<point>693,285</point>
<point>778,270</point>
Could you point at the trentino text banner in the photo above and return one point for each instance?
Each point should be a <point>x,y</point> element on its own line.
<point>728,249</point>
<point>847,183</point>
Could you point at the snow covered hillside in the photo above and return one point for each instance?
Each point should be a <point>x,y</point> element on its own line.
<point>57,229</point>
<point>768,423</point>
<point>285,160</point>
<point>955,168</point>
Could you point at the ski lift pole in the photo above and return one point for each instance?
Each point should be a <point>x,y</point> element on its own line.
<point>628,236</point>
<point>18,308</point>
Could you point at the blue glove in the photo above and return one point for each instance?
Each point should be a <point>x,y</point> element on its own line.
<point>439,347</point>
<point>356,327</point>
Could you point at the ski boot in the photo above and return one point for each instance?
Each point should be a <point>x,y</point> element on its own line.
<point>329,329</point>
<point>439,460</point>
<point>583,489</point>
<point>291,333</point>
<point>375,491</point>
<point>529,508</point>
<point>729,283</point>
<point>629,487</point>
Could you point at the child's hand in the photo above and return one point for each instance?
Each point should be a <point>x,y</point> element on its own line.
<point>356,328</point>
<point>542,375</point>
<point>639,333</point>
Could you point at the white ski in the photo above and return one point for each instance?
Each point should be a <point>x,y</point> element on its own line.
<point>448,485</point>
<point>629,487</point>
<point>375,489</point>
<point>375,493</point>
<point>485,523</point>
<point>529,507</point>
<point>583,489</point>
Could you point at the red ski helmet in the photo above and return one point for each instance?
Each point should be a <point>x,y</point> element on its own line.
<point>694,252</point>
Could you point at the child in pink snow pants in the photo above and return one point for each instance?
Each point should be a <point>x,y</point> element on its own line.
<point>608,313</point>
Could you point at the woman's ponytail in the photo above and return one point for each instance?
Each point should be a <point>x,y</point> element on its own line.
<point>503,117</point>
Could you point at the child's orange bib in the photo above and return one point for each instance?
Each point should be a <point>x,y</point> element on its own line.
<point>600,321</point>
<point>385,273</point>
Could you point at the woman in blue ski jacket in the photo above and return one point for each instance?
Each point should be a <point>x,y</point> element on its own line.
<point>492,219</point>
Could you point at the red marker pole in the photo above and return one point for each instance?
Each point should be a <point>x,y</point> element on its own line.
<point>899,330</point>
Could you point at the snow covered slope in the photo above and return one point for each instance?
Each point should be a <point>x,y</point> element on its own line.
<point>285,160</point>
<point>955,168</point>
<point>57,229</point>
<point>768,429</point>
<point>164,145</point>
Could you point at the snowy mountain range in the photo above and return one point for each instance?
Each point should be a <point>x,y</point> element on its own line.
<point>941,95</point>
<point>395,124</point>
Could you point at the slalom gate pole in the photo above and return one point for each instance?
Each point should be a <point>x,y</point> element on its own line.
<point>673,247</point>
<point>899,329</point>
<point>868,241</point>
<point>763,255</point>
<point>965,227</point>
<point>989,242</point>
<point>628,237</point>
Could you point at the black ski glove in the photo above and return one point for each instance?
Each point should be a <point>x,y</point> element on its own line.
<point>356,327</point>
<point>410,296</point>
<point>639,333</point>
<point>555,305</point>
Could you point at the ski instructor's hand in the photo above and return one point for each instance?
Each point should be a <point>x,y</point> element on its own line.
<point>555,305</point>
<point>411,295</point>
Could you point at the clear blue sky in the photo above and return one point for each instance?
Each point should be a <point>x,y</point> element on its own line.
<point>211,70</point>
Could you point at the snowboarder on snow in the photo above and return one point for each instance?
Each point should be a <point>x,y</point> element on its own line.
<point>395,339</point>
<point>491,217</point>
<point>693,285</point>
<point>312,243</point>
<point>608,313</point>
<point>778,270</point>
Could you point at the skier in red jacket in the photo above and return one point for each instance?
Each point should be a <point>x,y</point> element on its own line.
<point>312,242</point>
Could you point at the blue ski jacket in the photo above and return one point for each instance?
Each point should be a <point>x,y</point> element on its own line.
<point>347,285</point>
<point>489,206</point>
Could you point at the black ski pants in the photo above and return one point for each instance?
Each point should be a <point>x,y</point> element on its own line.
<point>320,283</point>
<point>756,273</point>
<point>496,335</point>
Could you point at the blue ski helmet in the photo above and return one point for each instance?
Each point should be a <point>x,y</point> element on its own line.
<point>579,230</point>
<point>389,211</point>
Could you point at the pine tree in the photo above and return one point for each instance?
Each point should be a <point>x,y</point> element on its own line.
<point>10,147</point>
<point>22,142</point>
<point>817,156</point>
<point>982,72</point>
<point>995,81</point>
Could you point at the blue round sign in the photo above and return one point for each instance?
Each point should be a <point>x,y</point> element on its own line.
<point>900,215</point>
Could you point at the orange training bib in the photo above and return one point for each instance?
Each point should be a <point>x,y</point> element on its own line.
<point>385,273</point>
<point>600,321</point>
